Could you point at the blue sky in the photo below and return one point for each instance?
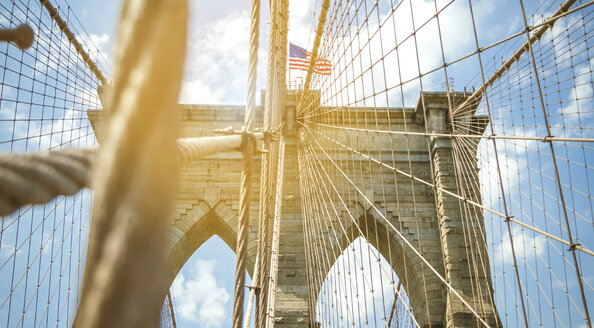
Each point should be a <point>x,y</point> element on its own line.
<point>216,71</point>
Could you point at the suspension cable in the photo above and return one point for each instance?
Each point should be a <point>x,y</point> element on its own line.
<point>135,179</point>
<point>55,15</point>
<point>246,175</point>
<point>516,56</point>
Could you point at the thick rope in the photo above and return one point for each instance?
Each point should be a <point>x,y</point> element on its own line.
<point>265,179</point>
<point>22,36</point>
<point>40,177</point>
<point>135,177</point>
<point>263,215</point>
<point>190,149</point>
<point>252,296</point>
<point>242,229</point>
<point>170,305</point>
<point>246,176</point>
<point>250,109</point>
<point>274,247</point>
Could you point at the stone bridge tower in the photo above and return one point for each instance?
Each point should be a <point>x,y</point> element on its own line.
<point>208,200</point>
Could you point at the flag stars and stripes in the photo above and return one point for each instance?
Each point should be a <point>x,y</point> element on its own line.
<point>299,58</point>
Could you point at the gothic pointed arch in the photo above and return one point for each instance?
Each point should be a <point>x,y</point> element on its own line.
<point>197,225</point>
<point>423,288</point>
<point>369,291</point>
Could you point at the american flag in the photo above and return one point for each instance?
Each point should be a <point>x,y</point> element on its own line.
<point>299,58</point>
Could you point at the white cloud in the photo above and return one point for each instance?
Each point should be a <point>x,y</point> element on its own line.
<point>513,161</point>
<point>300,21</point>
<point>99,48</point>
<point>199,92</point>
<point>200,298</point>
<point>6,250</point>
<point>579,101</point>
<point>564,44</point>
<point>526,246</point>
<point>397,57</point>
<point>217,61</point>
<point>100,41</point>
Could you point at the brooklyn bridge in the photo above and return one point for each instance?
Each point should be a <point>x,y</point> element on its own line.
<point>401,163</point>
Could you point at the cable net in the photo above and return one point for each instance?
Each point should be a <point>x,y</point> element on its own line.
<point>421,143</point>
<point>444,164</point>
<point>45,92</point>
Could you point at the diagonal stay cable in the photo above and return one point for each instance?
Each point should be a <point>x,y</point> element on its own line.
<point>401,236</point>
<point>455,136</point>
<point>321,182</point>
<point>516,56</point>
<point>461,198</point>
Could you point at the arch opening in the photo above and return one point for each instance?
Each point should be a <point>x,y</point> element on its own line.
<point>201,267</point>
<point>424,291</point>
<point>202,291</point>
<point>362,289</point>
<point>201,230</point>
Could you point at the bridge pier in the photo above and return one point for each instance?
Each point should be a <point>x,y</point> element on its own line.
<point>449,238</point>
<point>461,226</point>
<point>292,293</point>
<point>464,259</point>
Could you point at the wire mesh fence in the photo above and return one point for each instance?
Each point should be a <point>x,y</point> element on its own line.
<point>45,92</point>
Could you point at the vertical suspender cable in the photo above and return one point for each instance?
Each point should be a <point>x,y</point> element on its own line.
<point>242,229</point>
<point>500,178</point>
<point>248,314</point>
<point>475,96</point>
<point>170,305</point>
<point>277,153</point>
<point>274,250</point>
<point>248,151</point>
<point>545,117</point>
<point>265,180</point>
